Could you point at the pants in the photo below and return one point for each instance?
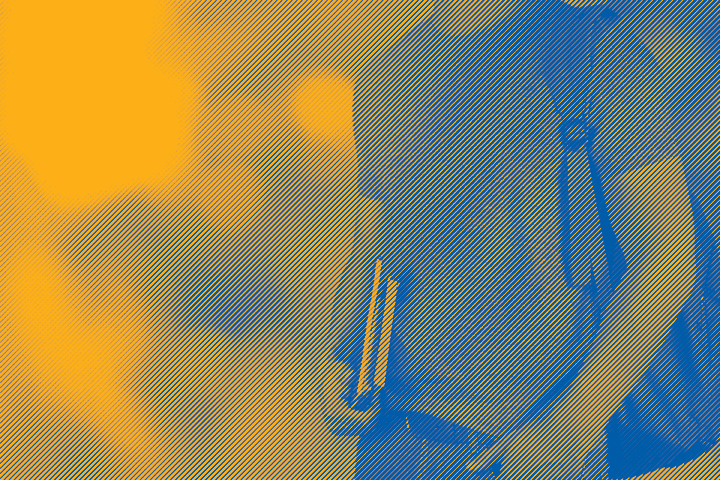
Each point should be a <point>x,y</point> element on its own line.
<point>398,451</point>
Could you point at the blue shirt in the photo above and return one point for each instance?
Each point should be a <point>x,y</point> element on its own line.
<point>456,133</point>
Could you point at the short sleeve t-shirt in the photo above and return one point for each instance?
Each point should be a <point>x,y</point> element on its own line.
<point>457,139</point>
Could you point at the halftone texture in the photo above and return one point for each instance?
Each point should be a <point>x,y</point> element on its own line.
<point>186,234</point>
<point>457,137</point>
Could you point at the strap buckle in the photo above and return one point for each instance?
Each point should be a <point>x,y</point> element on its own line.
<point>575,133</point>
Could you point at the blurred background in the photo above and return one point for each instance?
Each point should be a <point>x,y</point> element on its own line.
<point>177,205</point>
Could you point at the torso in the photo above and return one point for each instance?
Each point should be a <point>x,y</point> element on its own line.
<point>457,138</point>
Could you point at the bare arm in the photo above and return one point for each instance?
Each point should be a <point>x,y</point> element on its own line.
<point>662,272</point>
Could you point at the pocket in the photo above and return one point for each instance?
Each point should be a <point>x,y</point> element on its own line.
<point>391,452</point>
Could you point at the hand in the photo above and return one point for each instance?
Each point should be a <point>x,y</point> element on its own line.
<point>703,467</point>
<point>344,420</point>
<point>549,449</point>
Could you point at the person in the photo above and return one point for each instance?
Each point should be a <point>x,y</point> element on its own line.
<point>547,281</point>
